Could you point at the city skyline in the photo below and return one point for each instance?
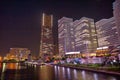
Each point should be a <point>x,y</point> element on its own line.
<point>20,21</point>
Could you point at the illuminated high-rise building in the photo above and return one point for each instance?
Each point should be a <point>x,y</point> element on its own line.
<point>85,35</point>
<point>107,32</point>
<point>116,13</point>
<point>77,36</point>
<point>65,35</point>
<point>18,53</point>
<point>46,42</point>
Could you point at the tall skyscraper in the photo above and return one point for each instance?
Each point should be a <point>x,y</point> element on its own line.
<point>107,32</point>
<point>46,42</point>
<point>65,35</point>
<point>85,35</point>
<point>116,13</point>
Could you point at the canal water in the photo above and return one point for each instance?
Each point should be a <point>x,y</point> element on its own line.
<point>14,71</point>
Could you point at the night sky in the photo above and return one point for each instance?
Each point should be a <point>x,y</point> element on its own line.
<point>20,20</point>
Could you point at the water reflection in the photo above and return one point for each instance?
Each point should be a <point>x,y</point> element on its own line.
<point>11,65</point>
<point>63,72</point>
<point>68,73</point>
<point>95,76</point>
<point>0,65</point>
<point>4,67</point>
<point>73,74</point>
<point>46,73</point>
<point>83,75</point>
<point>14,71</point>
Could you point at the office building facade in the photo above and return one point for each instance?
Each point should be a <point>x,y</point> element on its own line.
<point>65,35</point>
<point>85,35</point>
<point>116,13</point>
<point>46,38</point>
<point>107,32</point>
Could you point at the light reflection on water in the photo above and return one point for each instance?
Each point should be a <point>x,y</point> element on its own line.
<point>0,65</point>
<point>46,73</point>
<point>63,72</point>
<point>83,75</point>
<point>73,74</point>
<point>13,71</point>
<point>95,76</point>
<point>68,73</point>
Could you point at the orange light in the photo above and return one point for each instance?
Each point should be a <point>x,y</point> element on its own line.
<point>0,58</point>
